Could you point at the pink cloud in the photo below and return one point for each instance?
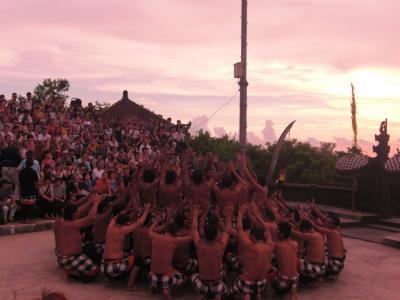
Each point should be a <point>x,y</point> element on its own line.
<point>176,57</point>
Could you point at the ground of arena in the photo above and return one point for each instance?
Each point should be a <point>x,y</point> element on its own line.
<point>28,265</point>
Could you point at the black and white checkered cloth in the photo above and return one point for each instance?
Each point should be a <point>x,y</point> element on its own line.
<point>242,286</point>
<point>351,163</point>
<point>209,289</point>
<point>167,281</point>
<point>312,270</point>
<point>79,263</point>
<point>392,165</point>
<point>116,268</point>
<point>334,266</point>
<point>282,282</point>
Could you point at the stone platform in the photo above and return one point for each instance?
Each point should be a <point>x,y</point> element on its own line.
<point>28,265</point>
<point>18,227</point>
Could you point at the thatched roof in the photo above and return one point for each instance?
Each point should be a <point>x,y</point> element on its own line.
<point>127,110</point>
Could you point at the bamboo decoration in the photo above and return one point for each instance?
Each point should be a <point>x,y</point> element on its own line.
<point>354,115</point>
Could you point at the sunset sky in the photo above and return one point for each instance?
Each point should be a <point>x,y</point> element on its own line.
<point>176,57</point>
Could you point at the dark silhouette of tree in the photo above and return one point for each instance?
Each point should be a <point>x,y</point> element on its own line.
<point>52,87</point>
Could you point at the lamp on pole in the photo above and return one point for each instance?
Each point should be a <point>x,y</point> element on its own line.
<point>241,72</point>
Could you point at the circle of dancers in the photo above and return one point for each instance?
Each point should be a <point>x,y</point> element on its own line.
<point>196,221</point>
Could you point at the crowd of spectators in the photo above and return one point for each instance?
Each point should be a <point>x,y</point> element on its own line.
<point>52,153</point>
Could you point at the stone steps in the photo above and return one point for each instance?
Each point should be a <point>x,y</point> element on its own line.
<point>392,222</point>
<point>18,228</point>
<point>392,240</point>
<point>345,215</point>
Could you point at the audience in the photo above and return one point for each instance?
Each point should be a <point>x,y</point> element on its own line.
<point>133,199</point>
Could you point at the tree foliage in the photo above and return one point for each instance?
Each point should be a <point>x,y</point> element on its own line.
<point>100,106</point>
<point>52,87</point>
<point>303,162</point>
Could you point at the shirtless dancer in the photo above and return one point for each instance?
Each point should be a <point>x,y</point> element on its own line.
<point>100,226</point>
<point>142,249</point>
<point>182,260</point>
<point>170,189</point>
<point>115,263</point>
<point>287,277</point>
<point>227,192</point>
<point>210,251</point>
<point>256,252</point>
<point>234,259</point>
<point>68,236</point>
<point>312,266</point>
<point>197,190</point>
<point>163,275</point>
<point>148,186</point>
<point>335,245</point>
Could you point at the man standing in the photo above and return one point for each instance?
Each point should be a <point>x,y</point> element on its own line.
<point>28,179</point>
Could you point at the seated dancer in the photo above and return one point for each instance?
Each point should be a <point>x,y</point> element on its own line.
<point>170,189</point>
<point>148,187</point>
<point>100,224</point>
<point>334,241</point>
<point>115,262</point>
<point>182,260</point>
<point>256,252</point>
<point>227,191</point>
<point>68,242</point>
<point>142,248</point>
<point>287,277</point>
<point>312,266</point>
<point>196,188</point>
<point>163,275</point>
<point>233,258</point>
<point>210,252</point>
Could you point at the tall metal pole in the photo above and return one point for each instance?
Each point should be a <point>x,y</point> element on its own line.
<point>243,81</point>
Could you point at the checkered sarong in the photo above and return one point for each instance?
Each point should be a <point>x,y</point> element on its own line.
<point>116,268</point>
<point>190,267</point>
<point>312,270</point>
<point>248,287</point>
<point>209,289</point>
<point>167,281</point>
<point>79,263</point>
<point>282,283</point>
<point>334,265</point>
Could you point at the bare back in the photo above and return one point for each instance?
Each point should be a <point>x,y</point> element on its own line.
<point>210,255</point>
<point>315,247</point>
<point>114,245</point>
<point>148,193</point>
<point>286,255</point>
<point>162,251</point>
<point>70,238</point>
<point>256,259</point>
<point>170,193</point>
<point>335,243</point>
<point>199,194</point>
<point>142,242</point>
